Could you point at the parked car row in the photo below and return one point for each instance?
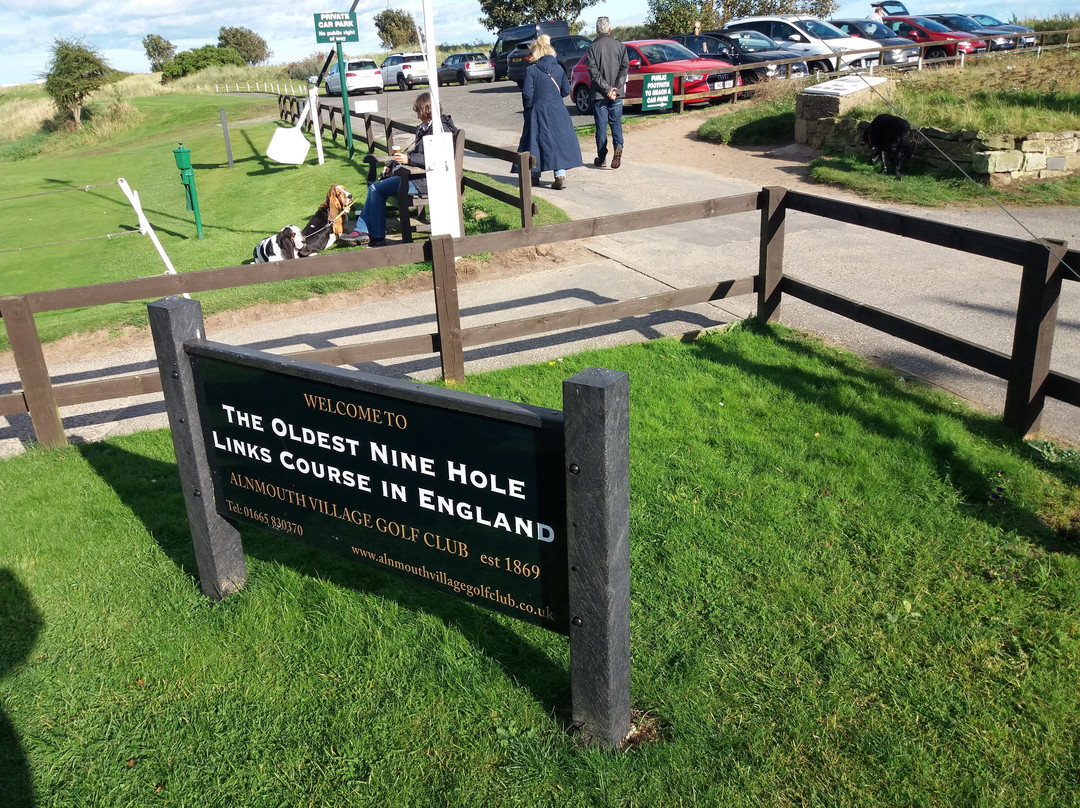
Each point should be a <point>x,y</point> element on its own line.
<point>809,44</point>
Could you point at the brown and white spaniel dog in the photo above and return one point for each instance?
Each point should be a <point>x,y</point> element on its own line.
<point>328,222</point>
<point>288,243</point>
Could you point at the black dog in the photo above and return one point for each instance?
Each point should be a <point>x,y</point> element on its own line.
<point>888,135</point>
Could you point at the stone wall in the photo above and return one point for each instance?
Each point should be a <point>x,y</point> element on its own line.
<point>997,160</point>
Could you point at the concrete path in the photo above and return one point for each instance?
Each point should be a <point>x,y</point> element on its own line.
<point>965,296</point>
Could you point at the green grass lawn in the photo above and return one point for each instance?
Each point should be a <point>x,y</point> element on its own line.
<point>239,206</point>
<point>846,590</point>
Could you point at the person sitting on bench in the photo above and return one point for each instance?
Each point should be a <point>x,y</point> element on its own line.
<point>371,222</point>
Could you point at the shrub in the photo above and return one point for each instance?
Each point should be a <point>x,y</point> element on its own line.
<point>192,61</point>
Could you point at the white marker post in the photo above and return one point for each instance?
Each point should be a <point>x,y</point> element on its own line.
<point>439,150</point>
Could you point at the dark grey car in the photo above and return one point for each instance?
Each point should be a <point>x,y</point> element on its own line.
<point>568,52</point>
<point>881,36</point>
<point>997,39</point>
<point>745,48</point>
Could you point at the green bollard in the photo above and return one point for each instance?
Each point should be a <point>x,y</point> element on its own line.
<point>187,177</point>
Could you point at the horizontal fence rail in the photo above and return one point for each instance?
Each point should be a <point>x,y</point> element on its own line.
<point>1026,370</point>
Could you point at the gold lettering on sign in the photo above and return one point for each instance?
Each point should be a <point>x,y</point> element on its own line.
<point>356,412</point>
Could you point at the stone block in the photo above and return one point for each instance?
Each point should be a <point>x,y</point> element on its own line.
<point>1034,161</point>
<point>1056,164</point>
<point>1072,162</point>
<point>1033,145</point>
<point>1001,180</point>
<point>1059,148</point>
<point>1053,175</point>
<point>996,162</point>
<point>996,142</point>
<point>801,130</point>
<point>939,134</point>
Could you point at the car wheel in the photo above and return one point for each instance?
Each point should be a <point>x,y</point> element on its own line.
<point>328,91</point>
<point>378,90</point>
<point>935,53</point>
<point>401,83</point>
<point>819,67</point>
<point>583,99</point>
<point>462,79</point>
<point>491,80</point>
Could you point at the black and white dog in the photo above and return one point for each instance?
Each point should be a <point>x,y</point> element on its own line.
<point>891,136</point>
<point>284,246</point>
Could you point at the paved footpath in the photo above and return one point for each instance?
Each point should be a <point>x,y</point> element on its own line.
<point>966,296</point>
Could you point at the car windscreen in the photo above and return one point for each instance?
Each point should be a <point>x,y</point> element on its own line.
<point>708,45</point>
<point>930,25</point>
<point>986,19</point>
<point>473,57</point>
<point>659,52</point>
<point>959,22</point>
<point>875,30</point>
<point>752,41</point>
<point>822,30</point>
<point>363,64</point>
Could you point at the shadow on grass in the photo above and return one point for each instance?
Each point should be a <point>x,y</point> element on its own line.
<point>151,489</point>
<point>953,462</point>
<point>20,623</point>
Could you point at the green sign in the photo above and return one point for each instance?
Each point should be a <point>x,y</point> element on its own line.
<point>461,493</point>
<point>336,26</point>
<point>658,90</point>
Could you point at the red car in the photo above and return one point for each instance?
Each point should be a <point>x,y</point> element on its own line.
<point>712,78</point>
<point>922,30</point>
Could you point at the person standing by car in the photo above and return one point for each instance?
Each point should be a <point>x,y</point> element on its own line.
<point>878,14</point>
<point>608,67</point>
<point>548,133</point>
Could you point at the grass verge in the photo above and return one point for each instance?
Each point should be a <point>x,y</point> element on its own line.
<point>848,590</point>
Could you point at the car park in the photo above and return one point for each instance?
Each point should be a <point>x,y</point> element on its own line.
<point>947,43</point>
<point>996,38</point>
<point>746,49</point>
<point>509,38</point>
<point>465,67</point>
<point>903,51</point>
<point>568,52</point>
<point>713,78</point>
<point>1027,40</point>
<point>825,48</point>
<point>405,70</point>
<point>361,75</point>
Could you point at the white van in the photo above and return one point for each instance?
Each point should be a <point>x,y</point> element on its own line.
<point>825,46</point>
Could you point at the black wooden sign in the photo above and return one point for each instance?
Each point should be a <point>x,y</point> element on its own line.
<point>454,491</point>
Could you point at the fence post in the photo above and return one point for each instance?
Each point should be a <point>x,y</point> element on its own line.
<point>1033,339</point>
<point>524,165</point>
<point>596,412</point>
<point>447,311</point>
<point>771,253</point>
<point>219,552</point>
<point>33,371</point>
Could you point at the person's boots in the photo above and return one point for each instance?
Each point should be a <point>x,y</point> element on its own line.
<point>559,184</point>
<point>616,160</point>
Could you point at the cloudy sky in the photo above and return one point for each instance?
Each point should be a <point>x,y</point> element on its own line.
<point>116,27</point>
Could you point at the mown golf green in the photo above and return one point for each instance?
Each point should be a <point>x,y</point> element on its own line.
<point>847,590</point>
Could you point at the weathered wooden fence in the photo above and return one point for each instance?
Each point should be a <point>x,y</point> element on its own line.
<point>332,121</point>
<point>1026,369</point>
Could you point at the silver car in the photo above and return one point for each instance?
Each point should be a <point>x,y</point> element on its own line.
<point>361,75</point>
<point>466,67</point>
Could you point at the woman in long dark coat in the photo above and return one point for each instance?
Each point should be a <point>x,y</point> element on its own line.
<point>548,134</point>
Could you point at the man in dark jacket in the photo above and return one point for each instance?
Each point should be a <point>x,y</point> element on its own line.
<point>608,65</point>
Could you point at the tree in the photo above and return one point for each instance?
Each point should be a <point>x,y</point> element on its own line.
<point>248,44</point>
<point>669,17</point>
<point>500,14</point>
<point>76,71</point>
<point>396,28</point>
<point>159,50</point>
<point>192,61</point>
